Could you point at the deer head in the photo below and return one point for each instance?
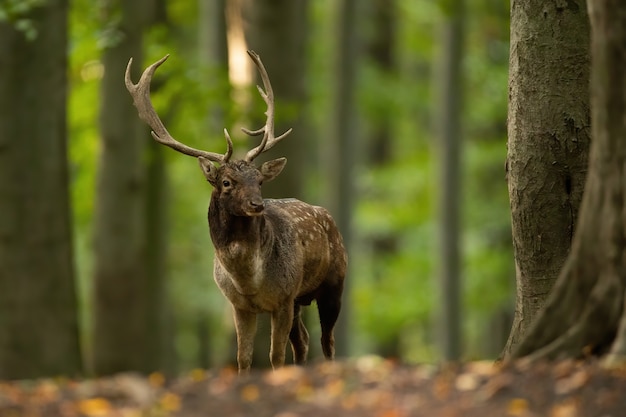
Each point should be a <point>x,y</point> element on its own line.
<point>238,183</point>
<point>240,180</point>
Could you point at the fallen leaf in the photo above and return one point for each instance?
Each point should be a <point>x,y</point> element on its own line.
<point>442,387</point>
<point>467,382</point>
<point>46,391</point>
<point>287,414</point>
<point>130,412</point>
<point>350,402</point>
<point>392,413</point>
<point>564,368</point>
<point>198,375</point>
<point>517,407</point>
<point>566,409</point>
<point>577,380</point>
<point>335,387</point>
<point>156,379</point>
<point>250,393</point>
<point>94,407</point>
<point>483,368</point>
<point>284,375</point>
<point>170,402</point>
<point>304,391</point>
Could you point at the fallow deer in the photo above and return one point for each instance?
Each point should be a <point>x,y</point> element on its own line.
<point>271,256</point>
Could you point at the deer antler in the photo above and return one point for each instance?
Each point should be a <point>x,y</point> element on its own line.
<point>267,130</point>
<point>141,97</point>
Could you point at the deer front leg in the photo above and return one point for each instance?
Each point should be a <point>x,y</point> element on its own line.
<point>245,326</point>
<point>282,320</point>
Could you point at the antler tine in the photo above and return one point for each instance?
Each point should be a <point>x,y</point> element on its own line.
<point>140,93</point>
<point>268,140</point>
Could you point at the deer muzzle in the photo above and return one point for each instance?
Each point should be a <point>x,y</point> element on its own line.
<point>255,206</point>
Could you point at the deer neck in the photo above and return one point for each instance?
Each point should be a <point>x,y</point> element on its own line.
<point>238,238</point>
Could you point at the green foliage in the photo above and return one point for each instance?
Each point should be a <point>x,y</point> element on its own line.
<point>394,261</point>
<point>396,289</point>
<point>395,205</point>
<point>17,13</point>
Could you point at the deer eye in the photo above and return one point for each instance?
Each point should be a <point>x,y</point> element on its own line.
<point>226,183</point>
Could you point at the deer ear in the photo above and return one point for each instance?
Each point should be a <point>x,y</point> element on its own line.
<point>208,169</point>
<point>271,169</point>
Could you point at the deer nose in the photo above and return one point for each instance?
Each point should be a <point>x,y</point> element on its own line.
<point>256,205</point>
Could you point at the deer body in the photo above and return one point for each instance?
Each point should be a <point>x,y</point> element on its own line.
<point>271,256</point>
<point>264,261</point>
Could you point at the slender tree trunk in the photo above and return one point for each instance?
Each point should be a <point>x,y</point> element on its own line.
<point>582,313</point>
<point>548,131</point>
<point>341,159</point>
<point>278,33</point>
<point>213,58</point>
<point>449,134</point>
<point>120,330</point>
<point>38,308</point>
<point>158,331</point>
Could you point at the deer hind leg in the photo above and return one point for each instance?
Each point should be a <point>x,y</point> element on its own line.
<point>282,320</point>
<point>245,325</point>
<point>328,306</point>
<point>299,337</point>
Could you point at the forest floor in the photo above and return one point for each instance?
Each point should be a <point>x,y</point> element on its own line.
<point>362,387</point>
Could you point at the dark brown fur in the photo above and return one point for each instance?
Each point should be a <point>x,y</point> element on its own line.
<point>273,259</point>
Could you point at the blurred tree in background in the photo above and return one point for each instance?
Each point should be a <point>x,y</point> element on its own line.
<point>38,309</point>
<point>356,81</point>
<point>129,224</point>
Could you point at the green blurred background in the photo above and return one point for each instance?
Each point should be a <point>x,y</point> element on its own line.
<point>393,302</point>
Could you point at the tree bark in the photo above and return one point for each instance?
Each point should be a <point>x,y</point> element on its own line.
<point>38,307</point>
<point>582,314</point>
<point>548,131</point>
<point>120,300</point>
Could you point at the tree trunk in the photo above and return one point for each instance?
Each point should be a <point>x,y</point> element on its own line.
<point>213,58</point>
<point>343,145</point>
<point>582,313</point>
<point>38,307</point>
<point>278,32</point>
<point>448,123</point>
<point>158,327</point>
<point>548,131</point>
<point>120,329</point>
<point>159,331</point>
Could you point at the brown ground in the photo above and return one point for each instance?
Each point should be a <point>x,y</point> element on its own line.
<point>363,387</point>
